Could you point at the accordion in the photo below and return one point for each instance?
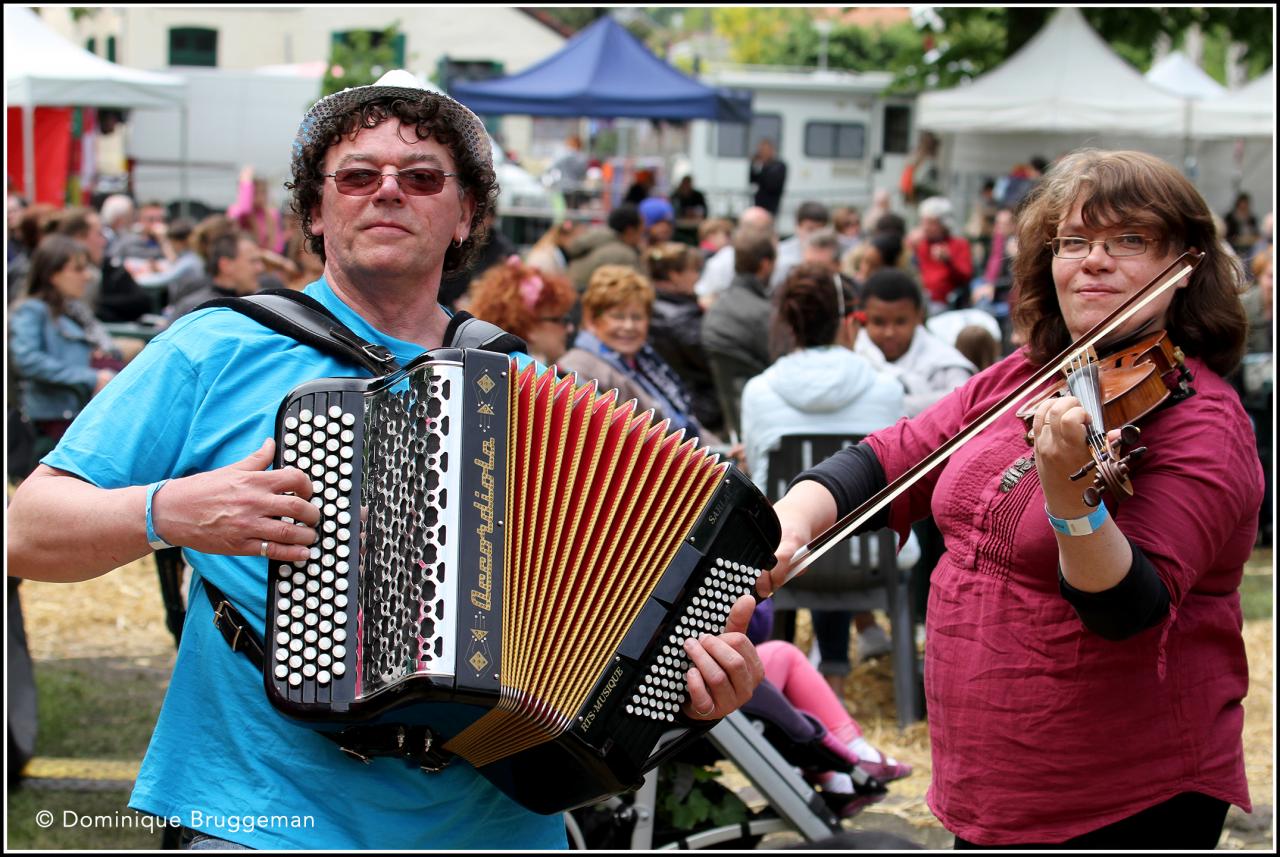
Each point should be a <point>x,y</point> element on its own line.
<point>514,541</point>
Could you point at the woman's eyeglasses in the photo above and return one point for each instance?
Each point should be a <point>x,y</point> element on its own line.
<point>419,181</point>
<point>1117,245</point>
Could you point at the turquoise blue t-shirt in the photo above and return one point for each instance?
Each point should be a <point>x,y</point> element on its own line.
<point>200,396</point>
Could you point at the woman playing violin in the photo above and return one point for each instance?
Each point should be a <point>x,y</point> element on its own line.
<point>1084,669</point>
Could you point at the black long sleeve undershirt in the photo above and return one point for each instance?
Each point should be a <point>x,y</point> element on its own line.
<point>1139,601</point>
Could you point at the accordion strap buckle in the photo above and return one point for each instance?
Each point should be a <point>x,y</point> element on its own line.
<point>379,353</point>
<point>235,630</point>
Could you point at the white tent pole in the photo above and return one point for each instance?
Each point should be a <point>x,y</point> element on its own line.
<point>29,150</point>
<point>1188,167</point>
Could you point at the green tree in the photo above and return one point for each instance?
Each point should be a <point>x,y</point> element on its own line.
<point>975,40</point>
<point>573,17</point>
<point>755,31</point>
<point>357,60</point>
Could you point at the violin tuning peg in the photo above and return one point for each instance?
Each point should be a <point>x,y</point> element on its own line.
<point>1092,497</point>
<point>1079,474</point>
<point>1129,434</point>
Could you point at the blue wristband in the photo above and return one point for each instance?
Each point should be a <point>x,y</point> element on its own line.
<point>153,538</point>
<point>1084,526</point>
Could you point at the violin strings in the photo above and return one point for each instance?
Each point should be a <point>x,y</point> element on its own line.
<point>1082,380</point>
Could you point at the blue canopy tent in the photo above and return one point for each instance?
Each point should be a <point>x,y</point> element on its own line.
<point>604,72</point>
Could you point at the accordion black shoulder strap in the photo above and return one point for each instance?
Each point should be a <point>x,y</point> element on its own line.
<point>467,331</point>
<point>307,320</point>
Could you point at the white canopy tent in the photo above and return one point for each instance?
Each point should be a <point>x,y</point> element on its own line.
<point>43,69</point>
<point>1063,90</point>
<point>1066,78</point>
<point>1177,74</point>
<point>1250,111</point>
<point>1228,135</point>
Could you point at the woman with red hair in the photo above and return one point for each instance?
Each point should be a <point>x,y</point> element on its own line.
<point>533,305</point>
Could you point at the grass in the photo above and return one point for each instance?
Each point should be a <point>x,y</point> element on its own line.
<point>89,708</point>
<point>1256,595</point>
<point>97,708</point>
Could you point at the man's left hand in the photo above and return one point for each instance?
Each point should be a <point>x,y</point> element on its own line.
<point>726,669</point>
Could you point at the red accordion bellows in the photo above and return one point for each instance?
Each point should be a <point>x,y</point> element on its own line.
<point>604,497</point>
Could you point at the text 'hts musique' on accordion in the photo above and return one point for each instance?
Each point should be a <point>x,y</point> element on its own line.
<point>513,540</point>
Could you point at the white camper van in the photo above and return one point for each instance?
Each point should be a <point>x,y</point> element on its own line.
<point>839,134</point>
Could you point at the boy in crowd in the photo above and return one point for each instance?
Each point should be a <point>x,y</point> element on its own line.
<point>895,339</point>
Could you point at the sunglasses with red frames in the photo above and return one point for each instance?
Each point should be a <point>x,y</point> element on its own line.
<point>419,181</point>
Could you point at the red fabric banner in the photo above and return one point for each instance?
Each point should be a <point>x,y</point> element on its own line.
<point>52,149</point>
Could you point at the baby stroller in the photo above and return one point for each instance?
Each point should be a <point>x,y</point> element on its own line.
<point>682,805</point>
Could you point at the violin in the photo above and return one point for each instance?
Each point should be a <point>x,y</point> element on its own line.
<point>1116,391</point>
<point>1077,353</point>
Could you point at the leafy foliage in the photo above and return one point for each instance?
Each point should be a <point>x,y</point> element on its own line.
<point>975,40</point>
<point>755,32</point>
<point>358,61</point>
<point>691,798</point>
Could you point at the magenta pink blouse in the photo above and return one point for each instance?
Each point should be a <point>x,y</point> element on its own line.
<point>1040,729</point>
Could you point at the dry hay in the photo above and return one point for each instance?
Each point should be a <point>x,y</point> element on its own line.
<point>117,615</point>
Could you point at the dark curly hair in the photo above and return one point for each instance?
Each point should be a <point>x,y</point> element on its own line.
<point>429,120</point>
<point>1206,319</point>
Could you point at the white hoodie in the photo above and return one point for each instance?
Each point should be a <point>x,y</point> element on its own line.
<point>827,390</point>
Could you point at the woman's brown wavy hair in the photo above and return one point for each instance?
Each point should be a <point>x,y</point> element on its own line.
<point>1206,318</point>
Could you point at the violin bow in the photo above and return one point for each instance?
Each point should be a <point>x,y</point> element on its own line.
<point>1176,271</point>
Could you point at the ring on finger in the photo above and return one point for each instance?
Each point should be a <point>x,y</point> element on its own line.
<point>710,708</point>
<point>262,551</point>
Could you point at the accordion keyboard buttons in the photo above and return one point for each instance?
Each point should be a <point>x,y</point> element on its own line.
<point>310,595</point>
<point>367,608</point>
<point>662,691</point>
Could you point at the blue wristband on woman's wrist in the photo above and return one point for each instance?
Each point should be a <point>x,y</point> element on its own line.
<point>1081,526</point>
<point>153,538</point>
